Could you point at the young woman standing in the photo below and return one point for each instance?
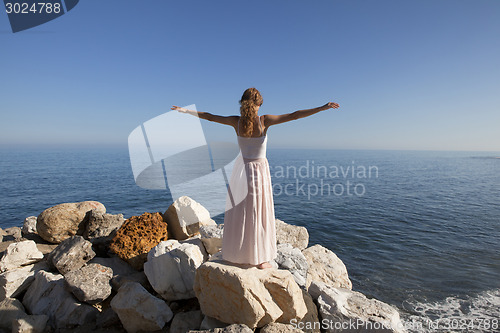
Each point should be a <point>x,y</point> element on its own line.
<point>249,223</point>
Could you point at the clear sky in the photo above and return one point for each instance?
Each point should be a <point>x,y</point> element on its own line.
<point>407,74</point>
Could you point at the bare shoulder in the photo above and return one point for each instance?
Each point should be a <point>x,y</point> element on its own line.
<point>267,118</point>
<point>232,120</point>
<point>272,119</point>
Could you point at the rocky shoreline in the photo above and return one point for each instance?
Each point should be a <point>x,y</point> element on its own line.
<point>75,268</point>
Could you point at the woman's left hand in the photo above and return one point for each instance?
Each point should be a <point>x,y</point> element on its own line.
<point>178,108</point>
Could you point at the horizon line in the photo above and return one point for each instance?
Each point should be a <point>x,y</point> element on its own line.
<point>64,146</point>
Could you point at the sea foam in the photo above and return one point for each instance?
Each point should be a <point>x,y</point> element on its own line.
<point>480,313</point>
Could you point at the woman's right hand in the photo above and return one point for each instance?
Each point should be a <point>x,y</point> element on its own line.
<point>331,105</point>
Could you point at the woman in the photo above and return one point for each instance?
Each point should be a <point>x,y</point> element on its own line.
<point>249,224</point>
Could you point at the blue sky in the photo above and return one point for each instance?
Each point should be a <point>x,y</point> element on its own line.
<point>419,75</point>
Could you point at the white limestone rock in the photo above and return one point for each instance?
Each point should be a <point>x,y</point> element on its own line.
<point>291,234</point>
<point>185,216</point>
<point>162,248</point>
<point>292,259</point>
<point>325,266</point>
<point>138,310</point>
<point>29,225</point>
<point>248,295</point>
<point>47,295</point>
<point>19,254</point>
<point>17,280</point>
<point>171,272</point>
<point>196,240</point>
<point>341,307</point>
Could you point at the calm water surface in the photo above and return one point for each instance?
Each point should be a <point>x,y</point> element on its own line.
<point>418,230</point>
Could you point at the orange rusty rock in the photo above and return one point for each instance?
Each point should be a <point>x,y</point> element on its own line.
<point>137,236</point>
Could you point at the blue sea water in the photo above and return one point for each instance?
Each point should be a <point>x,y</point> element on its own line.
<point>418,230</point>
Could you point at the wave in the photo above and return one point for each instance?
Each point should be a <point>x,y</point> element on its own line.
<point>480,313</point>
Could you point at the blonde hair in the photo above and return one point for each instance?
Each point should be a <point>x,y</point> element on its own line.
<point>249,105</point>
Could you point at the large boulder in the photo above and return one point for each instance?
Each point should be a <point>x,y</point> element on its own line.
<point>10,309</point>
<point>341,307</point>
<point>17,280</point>
<point>101,227</point>
<point>48,295</point>
<point>248,295</point>
<point>291,234</point>
<point>19,254</point>
<point>137,236</point>
<point>138,310</point>
<point>90,284</point>
<point>71,254</point>
<point>325,266</point>
<point>292,259</point>
<point>171,269</point>
<point>59,222</point>
<point>211,236</point>
<point>185,217</point>
<point>29,225</point>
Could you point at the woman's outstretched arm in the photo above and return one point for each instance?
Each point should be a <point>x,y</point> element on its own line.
<point>270,119</point>
<point>225,120</point>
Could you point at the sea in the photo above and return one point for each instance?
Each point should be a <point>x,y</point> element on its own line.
<point>419,230</point>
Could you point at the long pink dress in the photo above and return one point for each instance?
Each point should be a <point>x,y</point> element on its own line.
<point>249,235</point>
